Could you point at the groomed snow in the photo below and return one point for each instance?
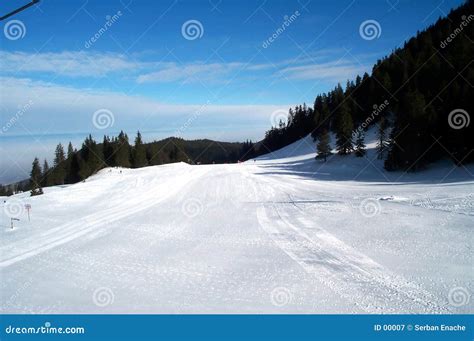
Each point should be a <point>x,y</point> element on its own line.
<point>282,234</point>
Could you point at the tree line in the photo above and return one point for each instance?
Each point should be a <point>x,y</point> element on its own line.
<point>410,95</point>
<point>71,165</point>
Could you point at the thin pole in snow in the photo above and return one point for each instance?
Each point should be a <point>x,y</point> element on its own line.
<point>28,208</point>
<point>12,220</point>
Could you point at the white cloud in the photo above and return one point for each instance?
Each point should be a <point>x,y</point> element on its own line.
<point>171,72</point>
<point>76,64</point>
<point>198,71</point>
<point>70,109</point>
<point>337,71</point>
<point>91,64</point>
<point>67,63</point>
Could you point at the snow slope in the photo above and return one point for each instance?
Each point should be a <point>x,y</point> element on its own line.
<point>281,234</point>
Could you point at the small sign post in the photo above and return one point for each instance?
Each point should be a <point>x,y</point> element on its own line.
<point>12,220</point>
<point>28,208</point>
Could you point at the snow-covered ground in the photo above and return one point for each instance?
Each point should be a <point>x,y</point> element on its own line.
<point>281,234</point>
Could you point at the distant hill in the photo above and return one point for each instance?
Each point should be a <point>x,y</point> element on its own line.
<point>72,165</point>
<point>204,151</point>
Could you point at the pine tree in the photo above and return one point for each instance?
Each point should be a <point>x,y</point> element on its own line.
<point>73,172</point>
<point>46,174</point>
<point>6,190</point>
<point>122,151</point>
<point>70,177</point>
<point>108,151</point>
<point>321,115</point>
<point>70,150</point>
<point>35,178</point>
<point>323,146</point>
<point>139,152</point>
<point>247,152</point>
<point>411,136</point>
<point>84,170</point>
<point>91,156</point>
<point>344,130</point>
<point>59,173</point>
<point>382,138</point>
<point>360,145</point>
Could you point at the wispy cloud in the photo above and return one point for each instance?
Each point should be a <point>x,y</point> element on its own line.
<point>325,65</point>
<point>67,63</point>
<point>337,71</point>
<point>80,64</point>
<point>171,72</point>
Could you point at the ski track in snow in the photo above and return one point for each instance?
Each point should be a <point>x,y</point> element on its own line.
<point>24,249</point>
<point>225,238</point>
<point>349,273</point>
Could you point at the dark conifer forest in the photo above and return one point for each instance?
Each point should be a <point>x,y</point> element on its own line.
<point>410,95</point>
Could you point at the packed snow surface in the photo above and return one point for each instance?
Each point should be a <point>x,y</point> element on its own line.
<point>284,233</point>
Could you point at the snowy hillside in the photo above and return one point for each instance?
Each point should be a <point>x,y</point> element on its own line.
<point>282,234</point>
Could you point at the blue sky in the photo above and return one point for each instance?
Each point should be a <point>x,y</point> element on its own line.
<point>224,83</point>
